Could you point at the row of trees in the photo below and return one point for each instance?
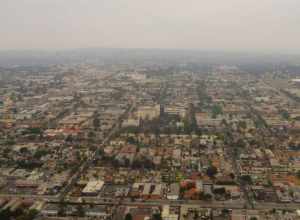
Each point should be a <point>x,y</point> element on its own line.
<point>155,216</point>
<point>19,214</point>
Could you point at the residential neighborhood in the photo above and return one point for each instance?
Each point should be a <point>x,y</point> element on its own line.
<point>149,142</point>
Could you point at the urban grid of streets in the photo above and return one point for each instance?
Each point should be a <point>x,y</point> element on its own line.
<point>161,137</point>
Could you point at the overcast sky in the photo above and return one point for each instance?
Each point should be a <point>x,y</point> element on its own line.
<point>198,24</point>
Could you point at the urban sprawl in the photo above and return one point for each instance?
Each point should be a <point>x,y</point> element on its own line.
<point>154,142</point>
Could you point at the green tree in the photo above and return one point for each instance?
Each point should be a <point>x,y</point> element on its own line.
<point>285,114</point>
<point>211,171</point>
<point>216,110</point>
<point>242,124</point>
<point>225,212</point>
<point>96,123</point>
<point>40,153</point>
<point>30,215</point>
<point>91,134</point>
<point>69,138</point>
<point>24,150</point>
<point>298,174</point>
<point>156,216</point>
<point>80,212</point>
<point>34,131</point>
<point>247,179</point>
<point>206,196</point>
<point>220,191</point>
<point>5,214</point>
<point>62,208</point>
<point>131,140</point>
<point>240,143</point>
<point>128,216</point>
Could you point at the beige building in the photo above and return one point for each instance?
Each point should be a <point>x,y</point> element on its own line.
<point>148,112</point>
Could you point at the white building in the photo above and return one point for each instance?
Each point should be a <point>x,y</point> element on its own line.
<point>167,215</point>
<point>176,110</point>
<point>173,194</point>
<point>93,187</point>
<point>131,122</point>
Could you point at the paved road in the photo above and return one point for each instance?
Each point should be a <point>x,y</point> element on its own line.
<point>235,204</point>
<point>74,179</point>
<point>127,202</point>
<point>28,196</point>
<point>273,205</point>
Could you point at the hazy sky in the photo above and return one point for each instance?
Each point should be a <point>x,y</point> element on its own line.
<point>198,24</point>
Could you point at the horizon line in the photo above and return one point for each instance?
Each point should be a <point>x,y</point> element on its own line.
<point>212,50</point>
